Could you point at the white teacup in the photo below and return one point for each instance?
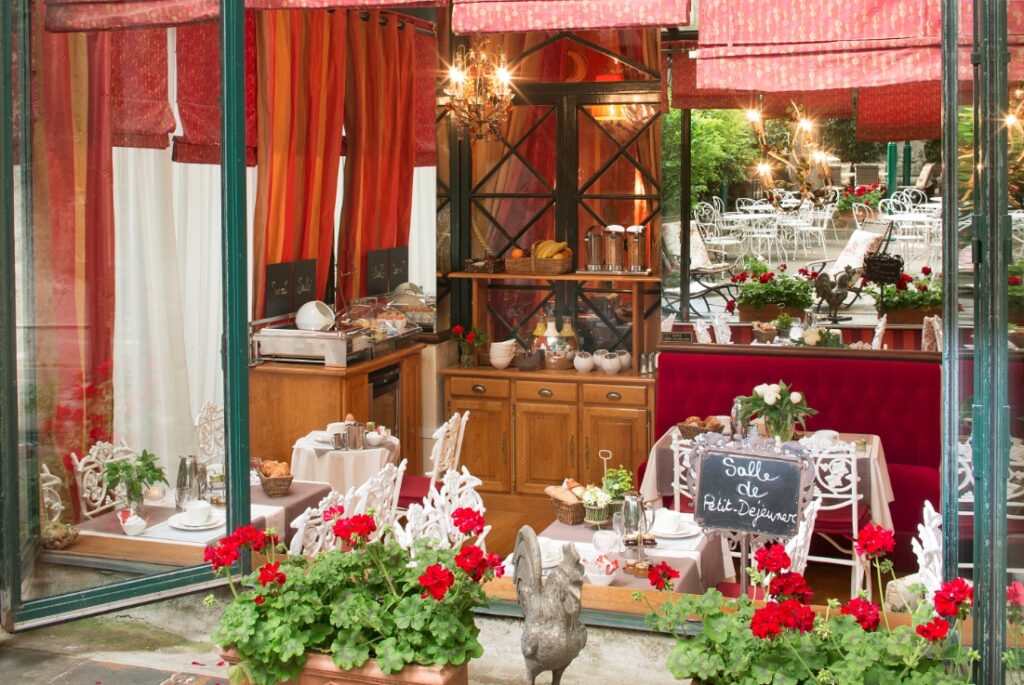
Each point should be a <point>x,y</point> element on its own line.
<point>197,512</point>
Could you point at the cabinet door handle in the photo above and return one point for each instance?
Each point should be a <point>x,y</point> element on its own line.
<point>614,396</point>
<point>545,392</point>
<point>572,450</point>
<point>586,454</point>
<point>477,388</point>
<point>504,446</point>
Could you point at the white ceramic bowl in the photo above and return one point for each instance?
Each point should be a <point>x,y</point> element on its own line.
<point>625,359</point>
<point>610,363</point>
<point>584,362</point>
<point>374,439</point>
<point>600,579</point>
<point>134,527</point>
<point>500,363</point>
<point>314,316</point>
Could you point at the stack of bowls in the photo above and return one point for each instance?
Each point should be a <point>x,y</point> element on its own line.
<point>502,353</point>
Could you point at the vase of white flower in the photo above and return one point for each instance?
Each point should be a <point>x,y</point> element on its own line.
<point>778,406</point>
<point>595,504</point>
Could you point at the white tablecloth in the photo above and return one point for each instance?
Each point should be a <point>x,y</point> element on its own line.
<point>313,460</point>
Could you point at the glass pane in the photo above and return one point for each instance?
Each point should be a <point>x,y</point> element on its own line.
<point>118,267</point>
<point>530,132</point>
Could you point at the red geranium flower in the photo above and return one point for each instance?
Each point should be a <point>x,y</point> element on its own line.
<point>796,616</point>
<point>458,330</point>
<point>1015,593</point>
<point>222,555</point>
<point>772,559</point>
<point>269,573</point>
<point>472,560</point>
<point>926,270</point>
<point>783,267</point>
<point>1014,280</point>
<point>435,581</point>
<point>354,528</point>
<point>790,586</point>
<point>331,513</point>
<point>936,629</point>
<point>863,611</point>
<point>874,542</point>
<point>901,285</point>
<point>767,621</point>
<point>468,521</point>
<point>730,306</point>
<point>864,282</point>
<point>259,599</point>
<point>860,191</point>
<point>954,598</point>
<point>802,271</point>
<point>922,287</point>
<point>767,277</point>
<point>660,575</point>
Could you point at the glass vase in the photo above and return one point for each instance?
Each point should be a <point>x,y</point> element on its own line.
<point>467,359</point>
<point>780,427</point>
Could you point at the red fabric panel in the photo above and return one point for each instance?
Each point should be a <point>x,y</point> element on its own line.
<point>505,16</point>
<point>425,93</point>
<point>198,58</point>
<point>140,108</point>
<point>900,112</point>
<point>378,169</point>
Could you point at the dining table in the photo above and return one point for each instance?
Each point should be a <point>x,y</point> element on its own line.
<point>874,473</point>
<point>313,458</point>
<point>702,560</point>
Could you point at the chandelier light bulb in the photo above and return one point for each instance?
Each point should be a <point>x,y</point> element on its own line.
<point>1012,120</point>
<point>805,125</point>
<point>456,75</point>
<point>764,169</point>
<point>753,115</point>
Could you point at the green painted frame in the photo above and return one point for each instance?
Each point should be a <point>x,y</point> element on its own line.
<point>16,614</point>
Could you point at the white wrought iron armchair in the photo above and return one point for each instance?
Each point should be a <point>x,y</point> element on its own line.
<point>94,496</point>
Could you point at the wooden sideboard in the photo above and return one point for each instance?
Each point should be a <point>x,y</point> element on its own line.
<point>531,429</point>
<point>287,401</point>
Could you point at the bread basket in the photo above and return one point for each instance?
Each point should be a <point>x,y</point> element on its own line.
<point>569,514</point>
<point>277,486</point>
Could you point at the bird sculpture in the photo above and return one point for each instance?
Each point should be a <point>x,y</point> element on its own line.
<point>833,293</point>
<point>552,633</point>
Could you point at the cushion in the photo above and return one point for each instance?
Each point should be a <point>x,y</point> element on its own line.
<point>414,489</point>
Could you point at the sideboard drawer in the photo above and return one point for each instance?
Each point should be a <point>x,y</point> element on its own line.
<point>616,395</point>
<point>542,391</point>
<point>479,387</point>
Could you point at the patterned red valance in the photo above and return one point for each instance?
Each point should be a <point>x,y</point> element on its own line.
<point>494,16</point>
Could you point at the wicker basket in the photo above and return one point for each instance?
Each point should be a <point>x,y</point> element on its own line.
<point>538,267</point>
<point>569,514</point>
<point>690,431</point>
<point>276,487</point>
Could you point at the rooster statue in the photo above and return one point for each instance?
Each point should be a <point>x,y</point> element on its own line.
<point>552,633</point>
<point>833,293</point>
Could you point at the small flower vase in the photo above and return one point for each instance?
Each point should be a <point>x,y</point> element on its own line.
<point>595,516</point>
<point>780,428</point>
<point>467,358</point>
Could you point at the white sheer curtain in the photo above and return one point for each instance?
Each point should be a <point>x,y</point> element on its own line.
<point>423,229</point>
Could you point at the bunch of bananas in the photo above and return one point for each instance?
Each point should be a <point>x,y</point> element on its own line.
<point>549,249</point>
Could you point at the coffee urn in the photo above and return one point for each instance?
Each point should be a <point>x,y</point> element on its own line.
<point>593,243</point>
<point>613,248</point>
<point>636,249</point>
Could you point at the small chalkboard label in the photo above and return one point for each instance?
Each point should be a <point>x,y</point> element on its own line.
<point>279,289</point>
<point>749,494</point>
<point>398,267</point>
<point>377,272</point>
<point>304,278</point>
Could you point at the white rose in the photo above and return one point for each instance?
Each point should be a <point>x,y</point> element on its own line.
<point>760,390</point>
<point>770,399</point>
<point>796,398</point>
<point>771,395</point>
<point>812,336</point>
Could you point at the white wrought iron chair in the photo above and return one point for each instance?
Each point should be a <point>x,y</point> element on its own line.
<point>927,548</point>
<point>837,484</point>
<point>446,454</point>
<point>93,494</point>
<point>51,503</point>
<point>1014,494</point>
<point>763,238</point>
<point>717,236</point>
<point>861,213</point>
<point>433,517</point>
<point>681,451</point>
<point>210,433</point>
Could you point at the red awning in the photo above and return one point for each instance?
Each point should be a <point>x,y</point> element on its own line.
<point>103,15</point>
<point>506,16</point>
<point>900,113</point>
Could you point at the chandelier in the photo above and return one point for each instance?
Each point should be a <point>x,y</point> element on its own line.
<point>799,158</point>
<point>479,91</point>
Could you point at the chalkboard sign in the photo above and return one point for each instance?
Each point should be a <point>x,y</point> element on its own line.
<point>304,283</point>
<point>279,289</point>
<point>398,267</point>
<point>377,269</point>
<point>749,493</point>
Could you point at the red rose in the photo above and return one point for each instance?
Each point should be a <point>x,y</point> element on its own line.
<point>766,622</point>
<point>767,277</point>
<point>269,573</point>
<point>926,271</point>
<point>660,575</point>
<point>354,528</point>
<point>772,559</point>
<point>730,306</point>
<point>874,542</point>
<point>863,611</point>
<point>259,599</point>
<point>790,586</point>
<point>435,581</point>
<point>1015,593</point>
<point>470,337</point>
<point>954,598</point>
<point>936,629</point>
<point>468,521</point>
<point>1014,280</point>
<point>796,616</point>
<point>458,330</point>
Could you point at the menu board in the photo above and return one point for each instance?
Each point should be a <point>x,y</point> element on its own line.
<point>749,493</point>
<point>279,289</point>
<point>304,281</point>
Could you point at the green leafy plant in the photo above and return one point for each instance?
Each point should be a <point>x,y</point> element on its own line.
<point>760,286</point>
<point>786,641</point>
<point>820,337</point>
<point>779,405</point>
<point>921,292</point>
<point>1015,285</point>
<point>617,482</point>
<point>369,598</point>
<point>134,476</point>
<point>783,321</point>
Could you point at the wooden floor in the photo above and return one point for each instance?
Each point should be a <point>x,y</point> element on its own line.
<point>507,514</point>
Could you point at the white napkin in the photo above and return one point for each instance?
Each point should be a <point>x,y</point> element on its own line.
<point>550,551</point>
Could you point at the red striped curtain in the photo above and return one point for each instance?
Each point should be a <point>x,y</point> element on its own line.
<point>504,16</point>
<point>301,75</point>
<point>380,121</point>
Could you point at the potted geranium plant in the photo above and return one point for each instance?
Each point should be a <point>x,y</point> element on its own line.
<point>910,299</point>
<point>788,641</point>
<point>765,294</point>
<point>369,611</point>
<point>468,341</point>
<point>864,194</point>
<point>133,477</point>
<point>779,406</point>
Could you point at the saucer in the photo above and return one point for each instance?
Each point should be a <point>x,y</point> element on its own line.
<point>687,530</point>
<point>180,521</point>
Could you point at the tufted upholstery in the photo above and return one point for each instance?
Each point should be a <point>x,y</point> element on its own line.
<point>898,400</point>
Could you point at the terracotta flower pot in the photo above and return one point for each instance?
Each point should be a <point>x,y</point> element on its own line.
<point>320,670</point>
<point>768,312</point>
<point>911,317</point>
